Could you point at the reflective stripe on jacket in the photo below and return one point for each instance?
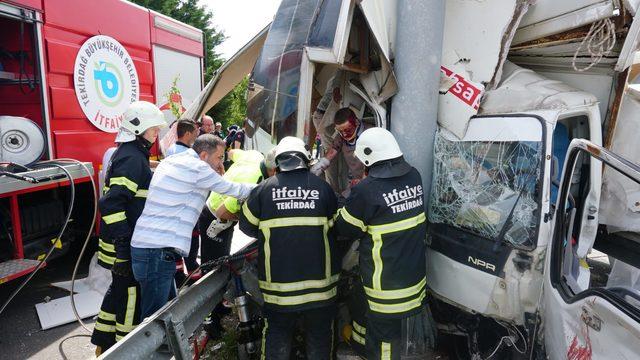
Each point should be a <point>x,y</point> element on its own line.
<point>125,191</point>
<point>245,169</point>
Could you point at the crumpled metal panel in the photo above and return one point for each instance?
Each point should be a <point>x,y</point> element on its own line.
<point>473,53</point>
<point>631,6</point>
<point>620,199</point>
<point>487,187</point>
<point>381,18</point>
<point>548,17</point>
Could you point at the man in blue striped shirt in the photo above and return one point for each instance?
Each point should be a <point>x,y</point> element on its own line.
<point>177,194</point>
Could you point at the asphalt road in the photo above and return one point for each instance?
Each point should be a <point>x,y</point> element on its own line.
<point>21,336</point>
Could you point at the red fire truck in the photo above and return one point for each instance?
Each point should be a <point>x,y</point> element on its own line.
<point>68,69</point>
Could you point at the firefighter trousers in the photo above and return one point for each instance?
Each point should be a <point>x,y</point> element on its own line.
<point>119,313</point>
<point>319,333</point>
<point>407,338</point>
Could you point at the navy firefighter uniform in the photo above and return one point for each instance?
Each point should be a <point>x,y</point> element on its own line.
<point>291,215</point>
<point>386,212</point>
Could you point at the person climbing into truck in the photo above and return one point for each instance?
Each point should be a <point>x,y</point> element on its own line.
<point>386,211</point>
<point>349,128</point>
<point>126,185</point>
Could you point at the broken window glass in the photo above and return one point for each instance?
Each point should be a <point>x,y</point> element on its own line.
<point>273,87</point>
<point>325,25</point>
<point>488,188</point>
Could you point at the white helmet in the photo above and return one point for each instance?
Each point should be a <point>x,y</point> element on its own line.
<point>376,144</point>
<point>140,116</point>
<point>291,154</point>
<point>291,144</point>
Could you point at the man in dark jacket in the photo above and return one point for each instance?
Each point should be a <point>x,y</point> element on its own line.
<point>386,211</point>
<point>126,184</point>
<point>291,216</point>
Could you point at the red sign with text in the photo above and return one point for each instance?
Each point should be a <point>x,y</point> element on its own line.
<point>463,90</point>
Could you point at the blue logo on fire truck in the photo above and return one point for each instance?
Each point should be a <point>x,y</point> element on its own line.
<point>108,80</point>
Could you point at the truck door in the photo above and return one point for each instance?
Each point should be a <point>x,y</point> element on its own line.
<point>591,304</point>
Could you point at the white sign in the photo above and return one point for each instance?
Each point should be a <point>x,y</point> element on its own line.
<point>106,81</point>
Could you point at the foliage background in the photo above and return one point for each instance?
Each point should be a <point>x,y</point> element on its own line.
<point>232,108</point>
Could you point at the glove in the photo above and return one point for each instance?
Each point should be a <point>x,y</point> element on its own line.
<point>121,268</point>
<point>320,166</point>
<point>216,227</point>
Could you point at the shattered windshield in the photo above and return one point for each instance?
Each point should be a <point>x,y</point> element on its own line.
<point>485,186</point>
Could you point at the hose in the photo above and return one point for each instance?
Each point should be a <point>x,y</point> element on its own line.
<point>246,253</point>
<point>599,42</point>
<point>53,246</point>
<point>75,270</point>
<point>86,242</point>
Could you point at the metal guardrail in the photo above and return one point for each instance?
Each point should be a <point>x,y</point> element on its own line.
<point>174,323</point>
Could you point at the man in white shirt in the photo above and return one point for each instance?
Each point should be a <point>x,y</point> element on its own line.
<point>187,131</point>
<point>177,194</point>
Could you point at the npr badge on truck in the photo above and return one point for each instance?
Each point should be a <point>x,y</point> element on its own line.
<point>105,81</point>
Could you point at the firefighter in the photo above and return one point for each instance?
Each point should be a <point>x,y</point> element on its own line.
<point>126,184</point>
<point>291,216</point>
<point>386,211</point>
<point>221,212</point>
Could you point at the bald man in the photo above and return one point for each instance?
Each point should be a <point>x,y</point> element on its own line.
<point>206,126</point>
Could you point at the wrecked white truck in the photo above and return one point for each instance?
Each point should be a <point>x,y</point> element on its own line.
<point>522,259</point>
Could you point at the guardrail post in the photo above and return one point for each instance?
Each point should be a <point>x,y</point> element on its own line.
<point>177,337</point>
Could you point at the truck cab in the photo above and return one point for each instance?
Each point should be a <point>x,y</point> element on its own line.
<point>494,192</point>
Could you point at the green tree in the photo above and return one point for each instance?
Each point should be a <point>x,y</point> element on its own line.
<point>232,108</point>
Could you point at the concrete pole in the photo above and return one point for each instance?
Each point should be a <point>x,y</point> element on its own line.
<point>420,25</point>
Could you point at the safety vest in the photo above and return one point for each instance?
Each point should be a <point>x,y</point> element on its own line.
<point>124,195</point>
<point>245,169</point>
<point>291,216</point>
<point>387,214</point>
